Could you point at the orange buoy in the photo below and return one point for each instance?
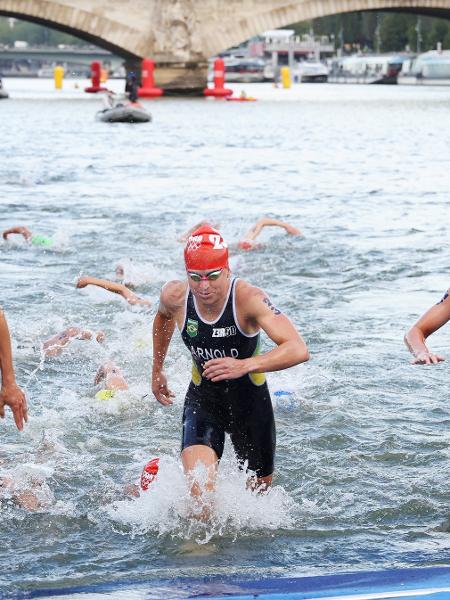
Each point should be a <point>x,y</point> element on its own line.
<point>96,68</point>
<point>219,90</point>
<point>148,89</point>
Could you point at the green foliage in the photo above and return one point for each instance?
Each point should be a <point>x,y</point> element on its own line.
<point>35,35</point>
<point>396,31</point>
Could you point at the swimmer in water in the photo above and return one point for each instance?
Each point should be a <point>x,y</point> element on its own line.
<point>220,319</point>
<point>111,375</point>
<point>249,240</point>
<point>36,240</point>
<point>121,267</point>
<point>10,393</point>
<point>55,345</point>
<point>33,496</point>
<point>111,286</point>
<point>431,321</point>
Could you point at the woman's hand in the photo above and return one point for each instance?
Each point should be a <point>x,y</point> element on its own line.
<point>219,369</point>
<point>427,358</point>
<point>160,389</point>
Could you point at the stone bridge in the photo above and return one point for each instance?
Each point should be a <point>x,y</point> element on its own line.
<point>180,35</point>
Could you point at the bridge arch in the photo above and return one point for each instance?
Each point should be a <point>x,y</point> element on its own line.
<point>95,29</point>
<point>180,35</point>
<point>274,14</point>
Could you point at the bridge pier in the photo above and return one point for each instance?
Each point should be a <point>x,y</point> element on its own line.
<point>176,79</point>
<point>181,79</point>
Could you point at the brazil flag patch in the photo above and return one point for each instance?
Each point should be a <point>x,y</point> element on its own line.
<point>192,327</point>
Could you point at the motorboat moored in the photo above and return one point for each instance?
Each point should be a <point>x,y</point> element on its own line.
<point>429,68</point>
<point>309,71</point>
<point>371,69</point>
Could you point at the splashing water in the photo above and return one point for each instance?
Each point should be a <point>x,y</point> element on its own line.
<point>167,508</point>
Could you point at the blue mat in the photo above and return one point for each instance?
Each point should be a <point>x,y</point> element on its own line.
<point>419,583</point>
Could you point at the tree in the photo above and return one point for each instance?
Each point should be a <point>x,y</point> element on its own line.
<point>394,32</point>
<point>397,30</point>
<point>35,35</point>
<point>439,33</point>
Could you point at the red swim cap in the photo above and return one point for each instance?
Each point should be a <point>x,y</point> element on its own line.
<point>205,249</point>
<point>246,244</point>
<point>149,473</point>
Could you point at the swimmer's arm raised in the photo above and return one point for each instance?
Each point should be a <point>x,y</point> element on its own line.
<point>254,232</point>
<point>10,394</point>
<point>430,322</point>
<point>266,222</point>
<point>112,286</point>
<point>20,230</point>
<point>290,350</point>
<point>54,346</point>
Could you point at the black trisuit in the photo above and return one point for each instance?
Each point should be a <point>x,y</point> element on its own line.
<point>241,407</point>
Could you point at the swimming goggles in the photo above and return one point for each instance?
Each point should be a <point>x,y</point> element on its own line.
<point>211,276</point>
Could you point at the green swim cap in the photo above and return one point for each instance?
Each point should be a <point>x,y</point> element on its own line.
<point>105,394</point>
<point>41,240</point>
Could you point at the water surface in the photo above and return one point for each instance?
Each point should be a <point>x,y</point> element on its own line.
<point>363,445</point>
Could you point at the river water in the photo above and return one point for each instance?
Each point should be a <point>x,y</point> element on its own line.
<point>363,455</point>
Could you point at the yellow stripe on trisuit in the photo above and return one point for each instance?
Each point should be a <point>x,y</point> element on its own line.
<point>257,378</point>
<point>105,394</point>
<point>196,377</point>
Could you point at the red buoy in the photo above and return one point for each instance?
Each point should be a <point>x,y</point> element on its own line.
<point>96,68</point>
<point>148,89</point>
<point>219,90</point>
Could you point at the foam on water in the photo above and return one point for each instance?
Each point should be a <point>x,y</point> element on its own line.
<point>136,274</point>
<point>167,508</point>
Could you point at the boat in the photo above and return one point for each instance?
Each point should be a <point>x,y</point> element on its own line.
<point>309,71</point>
<point>429,68</point>
<point>371,69</point>
<point>130,112</point>
<point>3,93</point>
<point>244,70</point>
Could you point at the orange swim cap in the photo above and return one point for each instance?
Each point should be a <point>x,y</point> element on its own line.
<point>205,249</point>
<point>149,473</point>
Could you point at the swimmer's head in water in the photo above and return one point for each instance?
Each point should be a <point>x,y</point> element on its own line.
<point>41,240</point>
<point>246,245</point>
<point>105,394</point>
<point>149,473</point>
<point>206,249</point>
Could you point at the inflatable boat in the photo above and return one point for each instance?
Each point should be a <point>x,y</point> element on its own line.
<point>125,113</point>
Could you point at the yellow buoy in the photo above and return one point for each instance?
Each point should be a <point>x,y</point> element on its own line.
<point>58,75</point>
<point>285,73</point>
